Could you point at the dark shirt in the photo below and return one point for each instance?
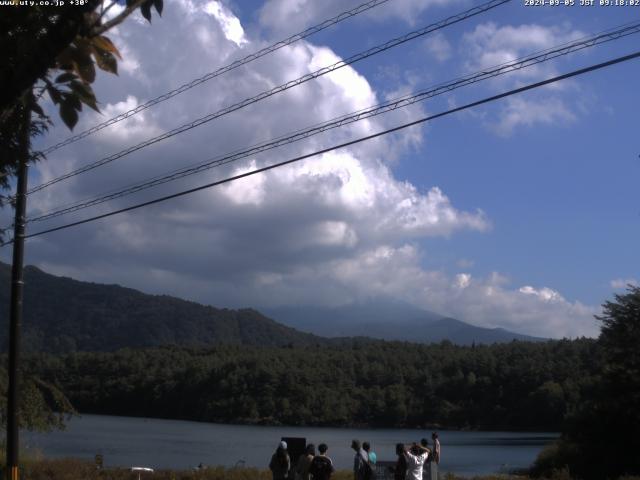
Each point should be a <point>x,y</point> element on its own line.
<point>401,468</point>
<point>358,463</point>
<point>321,467</point>
<point>280,467</point>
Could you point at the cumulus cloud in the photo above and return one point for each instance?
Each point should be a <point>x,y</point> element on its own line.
<point>286,17</point>
<point>489,45</point>
<point>622,283</point>
<point>522,112</point>
<point>228,22</point>
<point>328,230</point>
<point>438,46</point>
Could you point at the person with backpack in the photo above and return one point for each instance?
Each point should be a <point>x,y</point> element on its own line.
<point>321,466</point>
<point>366,446</point>
<point>361,467</point>
<point>302,468</point>
<point>280,462</point>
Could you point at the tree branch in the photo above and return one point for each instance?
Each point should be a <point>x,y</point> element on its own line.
<point>117,19</point>
<point>104,11</point>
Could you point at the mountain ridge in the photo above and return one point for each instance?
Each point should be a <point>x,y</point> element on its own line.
<point>407,323</point>
<point>62,314</point>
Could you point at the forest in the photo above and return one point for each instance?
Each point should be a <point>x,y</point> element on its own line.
<point>519,385</point>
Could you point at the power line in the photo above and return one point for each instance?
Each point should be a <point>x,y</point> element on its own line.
<point>524,62</point>
<point>281,88</point>
<point>342,145</point>
<point>205,78</point>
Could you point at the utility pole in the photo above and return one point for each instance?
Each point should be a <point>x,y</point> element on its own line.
<point>17,288</point>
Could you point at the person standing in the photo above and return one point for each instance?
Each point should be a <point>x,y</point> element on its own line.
<point>436,447</point>
<point>321,466</point>
<point>360,461</point>
<point>400,470</point>
<point>280,463</point>
<point>416,457</point>
<point>366,446</point>
<point>302,467</point>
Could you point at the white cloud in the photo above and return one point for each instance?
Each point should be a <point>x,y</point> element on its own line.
<point>522,112</point>
<point>462,280</point>
<point>545,294</point>
<point>230,24</point>
<point>285,17</point>
<point>330,229</point>
<point>622,283</point>
<point>490,45</point>
<point>438,46</point>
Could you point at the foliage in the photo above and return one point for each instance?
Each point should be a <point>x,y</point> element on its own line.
<point>64,315</point>
<point>54,50</point>
<point>601,438</point>
<point>72,469</point>
<point>43,406</point>
<point>363,383</point>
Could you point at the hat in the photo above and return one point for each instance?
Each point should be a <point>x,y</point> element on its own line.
<point>283,444</point>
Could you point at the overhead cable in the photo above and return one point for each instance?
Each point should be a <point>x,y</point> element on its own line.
<point>216,73</point>
<point>281,88</point>
<point>342,145</point>
<point>382,108</point>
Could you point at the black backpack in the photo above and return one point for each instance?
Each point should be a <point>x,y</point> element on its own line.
<point>369,470</point>
<point>321,468</point>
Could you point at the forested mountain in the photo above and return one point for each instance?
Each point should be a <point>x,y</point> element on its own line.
<point>517,385</point>
<point>390,320</point>
<point>63,315</point>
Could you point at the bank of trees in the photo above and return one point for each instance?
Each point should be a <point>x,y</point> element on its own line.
<point>513,386</point>
<point>601,437</point>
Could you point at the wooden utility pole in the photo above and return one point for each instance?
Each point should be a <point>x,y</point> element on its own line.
<point>17,288</point>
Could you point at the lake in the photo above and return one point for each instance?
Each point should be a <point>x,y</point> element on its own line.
<point>127,442</point>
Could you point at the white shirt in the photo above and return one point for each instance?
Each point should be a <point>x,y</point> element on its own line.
<point>415,464</point>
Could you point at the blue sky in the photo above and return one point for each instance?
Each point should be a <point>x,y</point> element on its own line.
<point>522,214</point>
<point>561,195</point>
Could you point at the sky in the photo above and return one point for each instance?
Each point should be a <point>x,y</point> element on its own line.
<point>521,214</point>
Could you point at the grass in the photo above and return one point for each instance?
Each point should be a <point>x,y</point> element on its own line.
<point>37,468</point>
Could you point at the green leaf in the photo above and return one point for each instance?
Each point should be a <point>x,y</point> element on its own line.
<point>73,99</point>
<point>87,71</point>
<point>158,4</point>
<point>107,62</point>
<point>104,44</point>
<point>68,114</point>
<point>65,77</point>
<point>54,93</point>
<point>38,109</point>
<point>82,60</point>
<point>85,94</point>
<point>145,9</point>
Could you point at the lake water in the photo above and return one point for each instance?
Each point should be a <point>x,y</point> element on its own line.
<point>126,442</point>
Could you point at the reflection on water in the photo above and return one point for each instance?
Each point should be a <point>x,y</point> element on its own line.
<point>178,444</point>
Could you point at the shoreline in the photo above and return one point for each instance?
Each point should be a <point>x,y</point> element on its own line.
<point>345,426</point>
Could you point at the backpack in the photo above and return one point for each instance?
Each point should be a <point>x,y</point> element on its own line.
<point>368,470</point>
<point>321,468</point>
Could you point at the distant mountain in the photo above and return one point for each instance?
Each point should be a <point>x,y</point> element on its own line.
<point>390,320</point>
<point>63,315</point>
